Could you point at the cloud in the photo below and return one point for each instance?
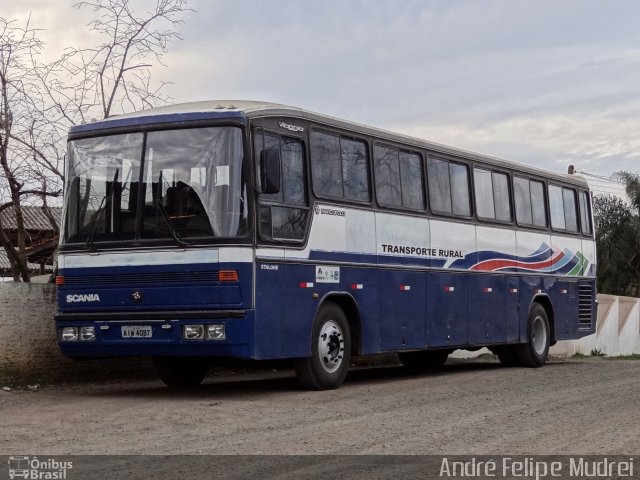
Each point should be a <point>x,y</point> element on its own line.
<point>593,143</point>
<point>545,82</point>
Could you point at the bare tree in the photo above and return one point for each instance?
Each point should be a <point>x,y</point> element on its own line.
<point>41,101</point>
<point>25,139</point>
<point>115,75</point>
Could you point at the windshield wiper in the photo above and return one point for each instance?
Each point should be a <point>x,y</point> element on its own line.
<point>165,216</point>
<point>94,221</point>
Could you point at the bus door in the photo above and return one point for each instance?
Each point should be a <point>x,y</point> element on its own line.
<point>282,222</point>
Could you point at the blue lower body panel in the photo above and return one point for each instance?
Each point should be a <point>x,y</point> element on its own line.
<point>397,309</point>
<point>403,309</point>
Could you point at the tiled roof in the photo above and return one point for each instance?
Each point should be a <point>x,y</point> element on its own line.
<point>5,266</point>
<point>34,218</point>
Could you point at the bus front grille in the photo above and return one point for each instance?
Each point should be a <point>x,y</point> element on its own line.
<point>211,276</point>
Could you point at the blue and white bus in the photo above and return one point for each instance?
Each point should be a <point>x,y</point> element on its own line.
<point>252,230</point>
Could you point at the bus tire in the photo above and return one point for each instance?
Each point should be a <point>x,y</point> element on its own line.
<point>328,364</point>
<point>534,353</point>
<point>507,355</point>
<point>424,360</point>
<point>181,372</point>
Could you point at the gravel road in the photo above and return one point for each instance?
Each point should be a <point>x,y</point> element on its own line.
<point>578,406</point>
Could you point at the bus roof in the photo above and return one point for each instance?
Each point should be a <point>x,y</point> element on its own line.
<point>239,109</point>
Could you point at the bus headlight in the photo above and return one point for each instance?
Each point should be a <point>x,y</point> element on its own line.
<point>216,332</point>
<point>69,334</point>
<point>193,332</point>
<point>87,334</point>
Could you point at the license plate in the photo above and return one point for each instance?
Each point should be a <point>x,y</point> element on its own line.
<point>137,331</point>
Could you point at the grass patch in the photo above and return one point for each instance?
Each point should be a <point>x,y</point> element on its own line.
<point>599,354</point>
<point>634,356</point>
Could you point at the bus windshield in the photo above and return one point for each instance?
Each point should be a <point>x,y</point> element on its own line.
<point>179,184</point>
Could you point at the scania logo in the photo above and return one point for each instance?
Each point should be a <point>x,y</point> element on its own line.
<point>136,296</point>
<point>89,297</point>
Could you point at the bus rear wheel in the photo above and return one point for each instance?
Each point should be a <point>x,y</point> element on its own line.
<point>328,364</point>
<point>534,353</point>
<point>507,355</point>
<point>181,372</point>
<point>424,360</point>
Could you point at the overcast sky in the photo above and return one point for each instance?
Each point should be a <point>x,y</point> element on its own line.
<point>546,83</point>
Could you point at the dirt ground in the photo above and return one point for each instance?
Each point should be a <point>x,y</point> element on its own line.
<point>578,406</point>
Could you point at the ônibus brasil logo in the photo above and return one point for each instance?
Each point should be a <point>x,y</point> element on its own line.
<point>33,468</point>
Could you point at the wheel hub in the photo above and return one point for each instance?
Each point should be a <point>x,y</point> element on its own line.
<point>539,335</point>
<point>331,346</point>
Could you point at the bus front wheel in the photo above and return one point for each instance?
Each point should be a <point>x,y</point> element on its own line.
<point>328,364</point>
<point>534,353</point>
<point>181,372</point>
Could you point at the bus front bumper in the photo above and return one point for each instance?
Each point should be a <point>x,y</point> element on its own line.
<point>227,333</point>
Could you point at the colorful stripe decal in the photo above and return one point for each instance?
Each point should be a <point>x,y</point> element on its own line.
<point>494,265</point>
<point>543,260</point>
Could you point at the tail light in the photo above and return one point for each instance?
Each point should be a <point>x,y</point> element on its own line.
<point>228,276</point>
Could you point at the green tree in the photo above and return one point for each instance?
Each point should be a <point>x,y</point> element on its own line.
<point>632,186</point>
<point>618,239</point>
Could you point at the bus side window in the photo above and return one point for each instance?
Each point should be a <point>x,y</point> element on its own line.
<point>439,186</point>
<point>522,196</point>
<point>556,207</point>
<point>399,179</point>
<point>283,215</point>
<point>501,196</point>
<point>562,202</point>
<point>340,167</point>
<point>449,187</point>
<point>355,171</point>
<point>492,195</point>
<point>386,167</point>
<point>460,200</point>
<point>530,205</point>
<point>538,205</point>
<point>327,164</point>
<point>570,215</point>
<point>483,183</point>
<point>585,214</point>
<point>292,172</point>
<point>412,180</point>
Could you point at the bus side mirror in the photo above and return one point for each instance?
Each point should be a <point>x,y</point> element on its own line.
<point>270,166</point>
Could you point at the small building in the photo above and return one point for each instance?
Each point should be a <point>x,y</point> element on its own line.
<point>41,237</point>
